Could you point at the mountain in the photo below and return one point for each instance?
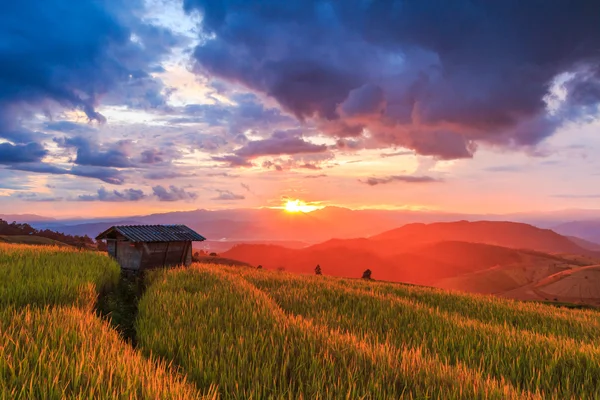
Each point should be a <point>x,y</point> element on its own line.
<point>588,230</point>
<point>24,218</point>
<point>267,224</point>
<point>500,233</point>
<point>584,243</point>
<point>502,258</point>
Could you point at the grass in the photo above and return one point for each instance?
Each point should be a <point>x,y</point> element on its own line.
<point>546,364</point>
<point>237,333</point>
<point>222,330</point>
<point>44,275</point>
<point>66,352</point>
<point>53,345</point>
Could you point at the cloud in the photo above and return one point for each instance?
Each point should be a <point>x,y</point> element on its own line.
<point>228,195</point>
<point>114,195</point>
<point>21,153</point>
<point>89,153</point>
<point>506,168</point>
<point>108,175</point>
<point>233,160</point>
<point>152,156</point>
<point>166,174</point>
<point>69,127</point>
<point>37,197</point>
<point>409,72</point>
<point>173,193</point>
<point>245,186</point>
<point>61,53</point>
<point>281,142</point>
<point>399,178</point>
<point>396,154</point>
<point>316,176</point>
<point>223,174</point>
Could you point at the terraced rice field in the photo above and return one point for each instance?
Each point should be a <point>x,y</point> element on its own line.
<point>237,333</point>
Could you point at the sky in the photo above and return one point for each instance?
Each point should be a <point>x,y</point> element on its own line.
<point>131,107</point>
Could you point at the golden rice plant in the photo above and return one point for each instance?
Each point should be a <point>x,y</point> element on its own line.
<point>65,352</point>
<point>222,330</point>
<point>51,275</point>
<point>550,365</point>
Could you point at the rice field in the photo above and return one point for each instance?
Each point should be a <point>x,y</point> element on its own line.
<point>51,275</point>
<point>52,344</point>
<point>211,331</point>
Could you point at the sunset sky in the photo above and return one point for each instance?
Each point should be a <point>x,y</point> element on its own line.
<point>129,107</point>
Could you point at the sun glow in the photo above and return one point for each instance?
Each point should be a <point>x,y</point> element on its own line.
<point>295,206</point>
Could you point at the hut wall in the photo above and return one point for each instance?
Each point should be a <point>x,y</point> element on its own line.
<point>166,254</point>
<point>129,255</point>
<point>111,244</point>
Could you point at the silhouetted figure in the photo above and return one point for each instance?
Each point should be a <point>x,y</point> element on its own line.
<point>367,274</point>
<point>318,270</point>
<point>259,266</point>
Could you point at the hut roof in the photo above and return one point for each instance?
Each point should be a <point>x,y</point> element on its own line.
<point>153,233</point>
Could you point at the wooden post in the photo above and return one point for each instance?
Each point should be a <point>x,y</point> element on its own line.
<point>166,253</point>
<point>184,253</point>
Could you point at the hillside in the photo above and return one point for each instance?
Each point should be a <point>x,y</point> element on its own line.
<point>30,239</point>
<point>506,234</point>
<point>588,230</point>
<point>424,254</point>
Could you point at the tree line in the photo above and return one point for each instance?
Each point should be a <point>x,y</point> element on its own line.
<point>16,228</point>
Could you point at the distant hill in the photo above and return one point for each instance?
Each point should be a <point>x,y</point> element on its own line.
<point>586,244</point>
<point>25,218</point>
<point>588,230</point>
<point>30,239</point>
<point>507,234</point>
<point>423,264</point>
<point>502,258</point>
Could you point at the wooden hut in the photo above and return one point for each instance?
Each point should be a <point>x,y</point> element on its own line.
<point>140,247</point>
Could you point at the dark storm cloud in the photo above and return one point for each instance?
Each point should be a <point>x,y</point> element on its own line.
<point>399,178</point>
<point>114,195</point>
<point>173,193</point>
<point>433,76</point>
<point>68,53</point>
<point>108,175</point>
<point>21,153</point>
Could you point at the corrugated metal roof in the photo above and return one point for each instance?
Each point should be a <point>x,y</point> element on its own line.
<point>154,233</point>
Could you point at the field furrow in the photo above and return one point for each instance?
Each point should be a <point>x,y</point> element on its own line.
<point>220,329</point>
<point>557,367</point>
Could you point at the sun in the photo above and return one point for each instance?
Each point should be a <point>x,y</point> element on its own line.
<point>296,206</point>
